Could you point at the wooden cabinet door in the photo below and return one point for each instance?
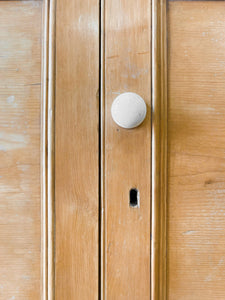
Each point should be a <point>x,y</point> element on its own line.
<point>68,228</point>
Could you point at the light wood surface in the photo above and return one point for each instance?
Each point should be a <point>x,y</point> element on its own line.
<point>20,135</point>
<point>58,162</point>
<point>159,150</point>
<point>50,24</point>
<point>196,136</point>
<point>127,158</point>
<point>77,150</point>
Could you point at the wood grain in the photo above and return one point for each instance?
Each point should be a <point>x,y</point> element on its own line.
<point>196,183</point>
<point>51,107</point>
<point>20,135</point>
<point>77,150</point>
<point>159,149</point>
<point>127,155</point>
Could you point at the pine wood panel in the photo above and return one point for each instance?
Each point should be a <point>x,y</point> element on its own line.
<point>196,179</point>
<point>76,149</point>
<point>127,158</point>
<point>20,135</point>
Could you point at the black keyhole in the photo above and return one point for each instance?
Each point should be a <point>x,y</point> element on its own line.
<point>134,197</point>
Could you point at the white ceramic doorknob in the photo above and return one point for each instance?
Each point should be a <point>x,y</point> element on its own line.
<point>128,110</point>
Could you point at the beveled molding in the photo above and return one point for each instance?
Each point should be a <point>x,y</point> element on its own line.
<point>159,150</point>
<point>47,150</point>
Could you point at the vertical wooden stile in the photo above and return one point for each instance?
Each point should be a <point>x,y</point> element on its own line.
<point>51,150</point>
<point>159,150</point>
<point>48,136</point>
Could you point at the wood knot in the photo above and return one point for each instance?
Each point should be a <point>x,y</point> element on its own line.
<point>209,181</point>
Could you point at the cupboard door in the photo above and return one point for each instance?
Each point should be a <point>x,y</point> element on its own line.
<point>126,154</point>
<point>92,210</point>
<point>77,150</point>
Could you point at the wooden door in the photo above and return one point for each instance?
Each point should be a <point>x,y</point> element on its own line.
<point>67,227</point>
